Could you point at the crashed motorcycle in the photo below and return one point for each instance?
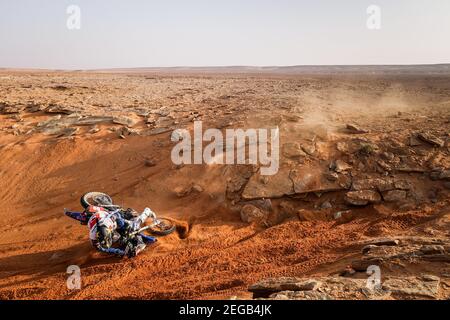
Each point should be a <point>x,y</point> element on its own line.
<point>157,226</point>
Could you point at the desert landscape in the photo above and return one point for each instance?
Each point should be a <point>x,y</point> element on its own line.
<point>364,180</point>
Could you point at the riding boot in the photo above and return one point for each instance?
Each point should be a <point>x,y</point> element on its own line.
<point>144,216</point>
<point>148,239</point>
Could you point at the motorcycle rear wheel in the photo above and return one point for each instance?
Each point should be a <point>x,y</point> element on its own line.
<point>95,199</point>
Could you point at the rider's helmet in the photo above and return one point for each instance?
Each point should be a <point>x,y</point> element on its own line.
<point>105,232</point>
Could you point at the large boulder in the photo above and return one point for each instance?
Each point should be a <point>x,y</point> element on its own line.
<point>262,204</point>
<point>362,198</point>
<point>293,150</point>
<point>307,180</point>
<point>431,139</point>
<point>355,129</point>
<point>309,149</point>
<point>275,186</point>
<point>394,196</point>
<point>251,213</point>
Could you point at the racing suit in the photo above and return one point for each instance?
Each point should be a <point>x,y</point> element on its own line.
<point>115,225</point>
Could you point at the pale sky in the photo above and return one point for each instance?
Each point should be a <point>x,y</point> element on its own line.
<point>150,33</point>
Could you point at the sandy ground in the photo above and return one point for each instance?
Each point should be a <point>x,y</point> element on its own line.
<point>44,168</point>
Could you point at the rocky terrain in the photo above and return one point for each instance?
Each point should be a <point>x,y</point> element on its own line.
<point>352,282</point>
<point>364,180</point>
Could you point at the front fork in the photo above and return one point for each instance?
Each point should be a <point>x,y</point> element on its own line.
<point>144,216</point>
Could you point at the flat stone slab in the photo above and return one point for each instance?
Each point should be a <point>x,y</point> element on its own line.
<point>413,287</point>
<point>290,181</point>
<point>269,286</point>
<point>126,121</point>
<point>91,120</point>
<point>300,295</point>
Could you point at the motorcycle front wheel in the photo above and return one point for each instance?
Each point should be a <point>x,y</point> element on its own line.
<point>163,228</point>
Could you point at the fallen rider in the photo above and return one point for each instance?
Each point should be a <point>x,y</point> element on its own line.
<point>109,228</point>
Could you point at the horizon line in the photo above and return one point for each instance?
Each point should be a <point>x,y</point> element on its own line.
<point>222,67</point>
